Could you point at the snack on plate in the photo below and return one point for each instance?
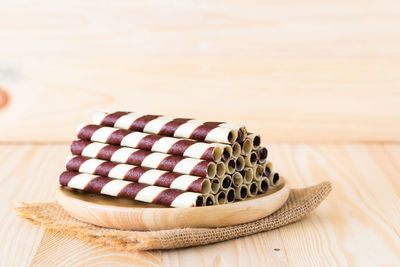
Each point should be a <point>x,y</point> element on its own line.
<point>175,162</point>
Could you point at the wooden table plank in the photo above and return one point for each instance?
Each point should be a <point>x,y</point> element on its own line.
<point>327,71</point>
<point>357,225</point>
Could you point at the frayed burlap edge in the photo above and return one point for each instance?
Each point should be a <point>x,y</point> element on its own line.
<point>51,215</point>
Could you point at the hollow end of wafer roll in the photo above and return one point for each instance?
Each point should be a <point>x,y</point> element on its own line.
<point>230,195</point>
<point>240,163</point>
<point>199,201</point>
<point>247,174</point>
<point>220,198</point>
<point>242,134</point>
<point>267,168</point>
<point>206,187</point>
<point>209,200</point>
<point>215,186</point>
<point>232,136</point>
<point>274,179</point>
<point>236,149</point>
<point>212,170</point>
<point>247,146</point>
<point>98,117</point>
<point>237,179</point>
<point>217,153</point>
<point>256,141</point>
<point>241,192</point>
<point>227,152</point>
<point>226,182</point>
<point>230,165</point>
<point>258,172</point>
<point>251,159</point>
<point>263,185</point>
<point>252,189</point>
<point>221,169</point>
<point>262,154</point>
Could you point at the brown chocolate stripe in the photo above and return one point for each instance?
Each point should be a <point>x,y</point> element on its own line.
<point>208,154</point>
<point>166,179</point>
<point>66,176</point>
<point>200,133</point>
<point>169,163</point>
<point>78,146</point>
<point>200,169</point>
<point>137,157</point>
<point>116,137</point>
<point>95,185</point>
<point>195,186</point>
<point>112,118</point>
<point>131,190</point>
<point>169,128</point>
<point>140,123</point>
<point>87,131</point>
<point>135,173</point>
<point>180,147</point>
<point>74,163</point>
<point>104,168</point>
<point>107,152</point>
<point>213,123</point>
<point>167,196</point>
<point>148,141</point>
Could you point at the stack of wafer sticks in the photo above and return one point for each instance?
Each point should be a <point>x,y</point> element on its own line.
<point>175,162</point>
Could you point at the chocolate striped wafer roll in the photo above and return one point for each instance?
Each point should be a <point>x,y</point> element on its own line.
<point>219,132</point>
<point>131,190</point>
<point>139,174</point>
<point>262,154</point>
<point>255,140</point>
<point>145,158</point>
<point>155,143</point>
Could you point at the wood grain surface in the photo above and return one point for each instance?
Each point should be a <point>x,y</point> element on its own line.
<point>358,225</point>
<point>326,70</point>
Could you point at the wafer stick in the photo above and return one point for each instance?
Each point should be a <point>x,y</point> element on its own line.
<point>215,185</point>
<point>226,182</point>
<point>220,198</point>
<point>131,190</point>
<point>262,154</point>
<point>240,163</point>
<point>236,149</point>
<point>267,168</point>
<point>255,140</point>
<point>230,195</point>
<point>252,189</point>
<point>251,159</point>
<point>176,127</point>
<point>248,175</point>
<point>139,174</point>
<point>241,192</point>
<point>247,146</point>
<point>145,158</point>
<point>258,171</point>
<point>274,179</point>
<point>237,179</point>
<point>209,200</point>
<point>263,185</point>
<point>230,165</point>
<point>155,143</point>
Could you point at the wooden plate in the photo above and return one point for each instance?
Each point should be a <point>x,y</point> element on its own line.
<point>134,215</point>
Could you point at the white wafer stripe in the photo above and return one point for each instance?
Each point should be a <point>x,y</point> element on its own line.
<point>81,180</point>
<point>126,121</point>
<point>153,160</point>
<point>154,126</point>
<point>92,149</point>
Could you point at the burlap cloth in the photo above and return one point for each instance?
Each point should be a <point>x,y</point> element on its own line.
<point>52,216</point>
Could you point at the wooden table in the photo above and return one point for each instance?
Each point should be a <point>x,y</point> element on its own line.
<point>319,80</point>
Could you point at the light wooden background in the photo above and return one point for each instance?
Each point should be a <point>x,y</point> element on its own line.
<point>320,80</point>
